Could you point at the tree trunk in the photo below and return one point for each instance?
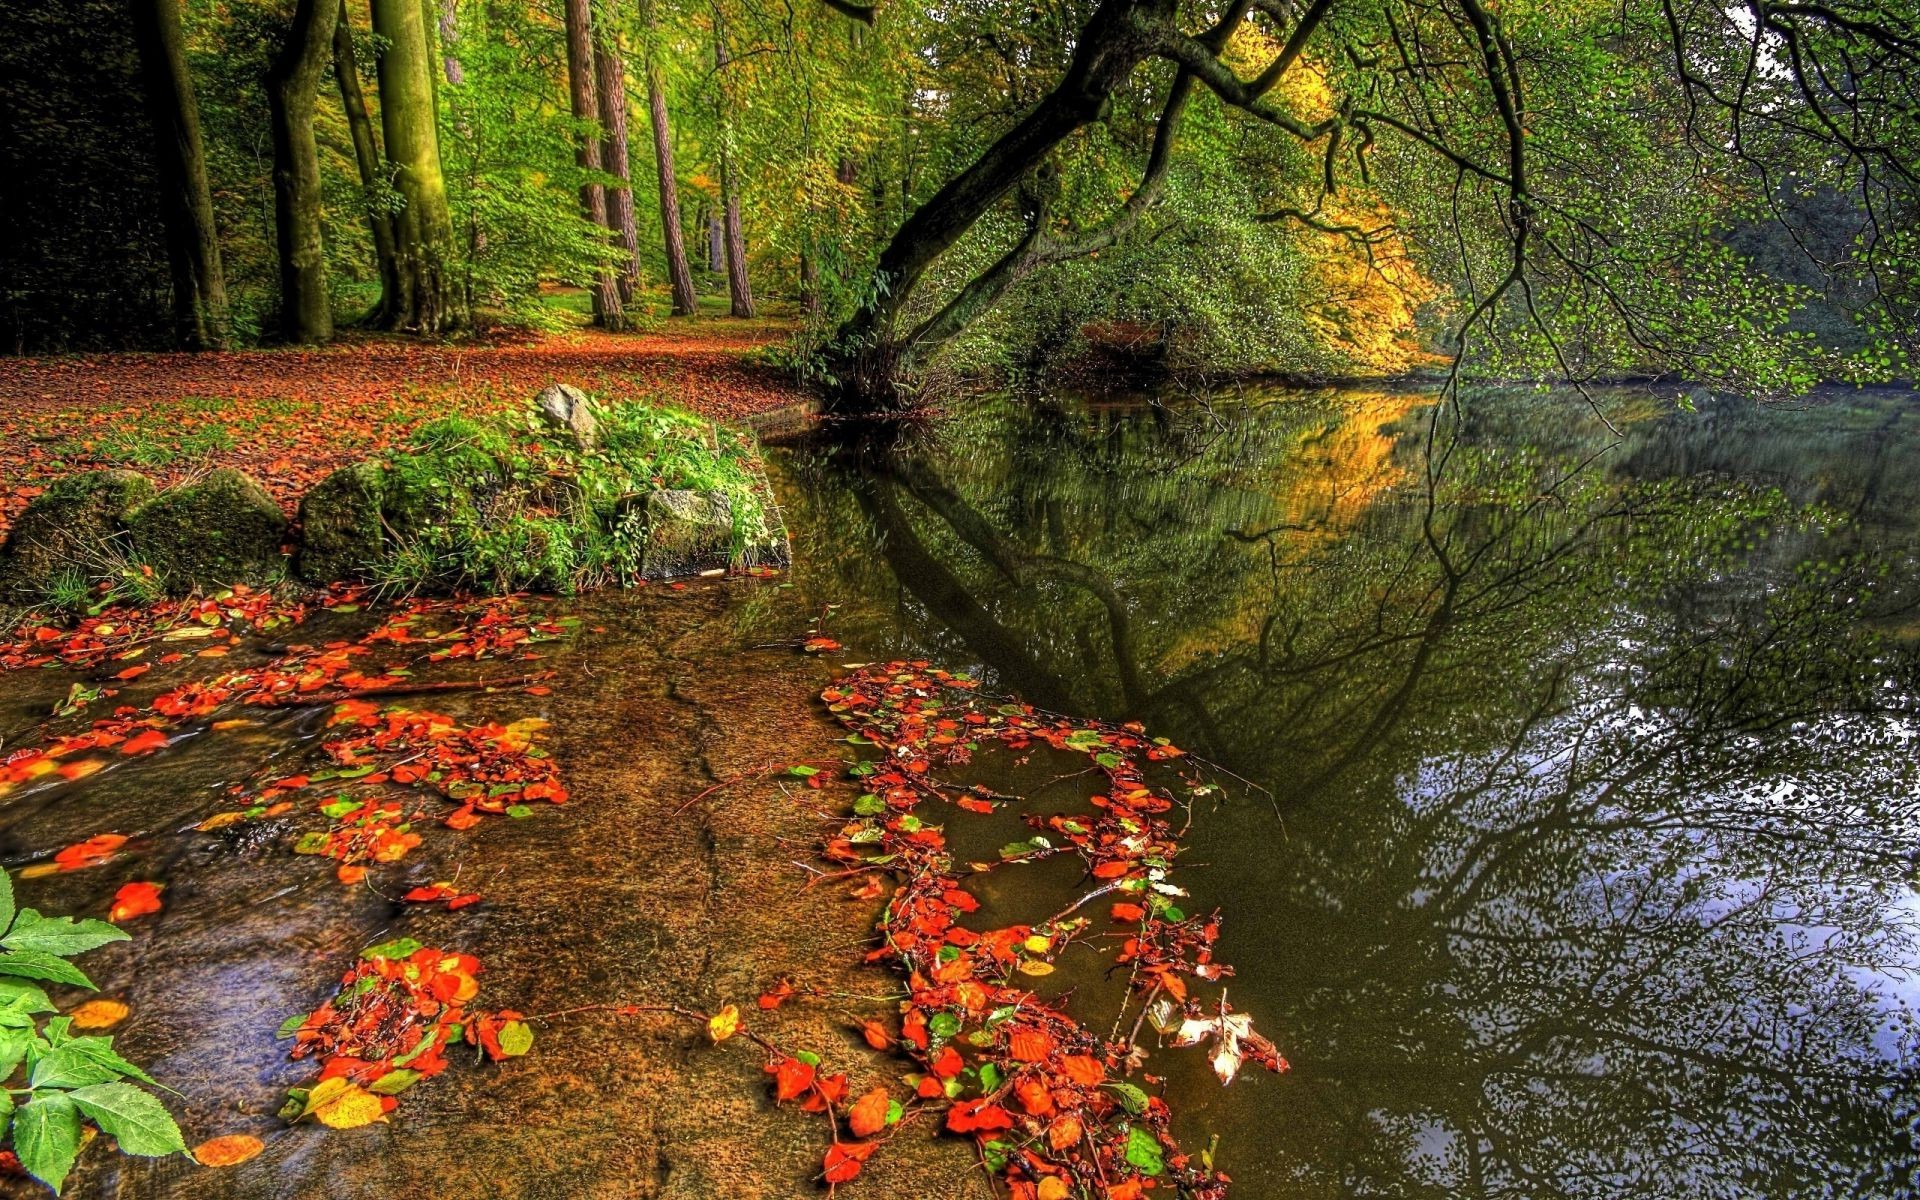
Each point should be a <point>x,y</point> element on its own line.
<point>809,283</point>
<point>868,351</point>
<point>428,298</point>
<point>678,275</point>
<point>366,155</point>
<point>610,74</point>
<point>607,312</point>
<point>186,203</point>
<point>739,290</point>
<point>716,239</point>
<point>449,33</point>
<point>293,86</point>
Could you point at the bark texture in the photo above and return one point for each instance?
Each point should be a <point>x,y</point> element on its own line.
<point>427,299</point>
<point>186,203</point>
<point>610,78</point>
<point>678,274</point>
<point>293,87</point>
<point>739,289</point>
<point>366,156</point>
<point>607,310</point>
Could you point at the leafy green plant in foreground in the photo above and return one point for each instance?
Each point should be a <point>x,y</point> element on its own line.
<point>69,1081</point>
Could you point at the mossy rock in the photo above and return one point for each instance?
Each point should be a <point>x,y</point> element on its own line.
<point>342,535</point>
<point>222,530</point>
<point>685,532</point>
<point>75,524</point>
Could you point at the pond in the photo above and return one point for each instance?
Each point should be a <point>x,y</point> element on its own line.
<point>1564,844</point>
<point>1577,852</point>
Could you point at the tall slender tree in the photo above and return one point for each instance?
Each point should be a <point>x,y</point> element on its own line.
<point>374,184</point>
<point>610,84</point>
<point>607,311</point>
<point>739,289</point>
<point>679,277</point>
<point>427,299</point>
<point>186,203</point>
<point>293,86</point>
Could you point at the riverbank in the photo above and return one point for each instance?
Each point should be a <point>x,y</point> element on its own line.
<point>288,417</point>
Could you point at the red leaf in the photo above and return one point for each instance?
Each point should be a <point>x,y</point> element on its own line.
<point>844,1158</point>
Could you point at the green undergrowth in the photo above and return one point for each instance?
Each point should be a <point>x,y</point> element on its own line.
<point>509,503</point>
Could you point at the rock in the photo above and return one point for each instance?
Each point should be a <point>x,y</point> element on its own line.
<point>222,530</point>
<point>76,523</point>
<point>568,410</point>
<point>683,532</point>
<point>341,533</point>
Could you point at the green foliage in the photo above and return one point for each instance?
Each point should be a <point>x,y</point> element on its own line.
<point>69,1078</point>
<point>508,504</point>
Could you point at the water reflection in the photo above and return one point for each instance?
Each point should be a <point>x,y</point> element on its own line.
<point>1592,759</point>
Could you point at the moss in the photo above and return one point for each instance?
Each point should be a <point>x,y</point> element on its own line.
<point>223,529</point>
<point>341,532</point>
<point>514,504</point>
<point>73,526</point>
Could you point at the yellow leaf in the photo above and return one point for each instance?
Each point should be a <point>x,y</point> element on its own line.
<point>1034,966</point>
<point>227,1151</point>
<point>40,870</point>
<point>724,1024</point>
<point>99,1014</point>
<point>1037,943</point>
<point>220,821</point>
<point>349,1108</point>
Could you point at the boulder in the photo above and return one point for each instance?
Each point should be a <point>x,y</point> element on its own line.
<point>683,531</point>
<point>341,533</point>
<point>75,523</point>
<point>567,410</point>
<point>223,529</point>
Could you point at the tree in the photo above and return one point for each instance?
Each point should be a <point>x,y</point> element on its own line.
<point>610,72</point>
<point>679,277</point>
<point>293,84</point>
<point>186,203</point>
<point>1561,166</point>
<point>739,288</point>
<point>426,300</point>
<point>374,183</point>
<point>607,312</point>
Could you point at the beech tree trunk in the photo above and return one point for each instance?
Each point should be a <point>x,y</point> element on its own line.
<point>678,275</point>
<point>293,87</point>
<point>610,72</point>
<point>427,299</point>
<point>186,203</point>
<point>869,350</point>
<point>366,156</point>
<point>716,239</point>
<point>607,310</point>
<point>739,290</point>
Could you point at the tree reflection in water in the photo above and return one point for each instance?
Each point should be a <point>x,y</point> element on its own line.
<point>1593,764</point>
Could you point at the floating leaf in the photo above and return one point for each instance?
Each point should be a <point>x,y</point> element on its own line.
<point>228,1151</point>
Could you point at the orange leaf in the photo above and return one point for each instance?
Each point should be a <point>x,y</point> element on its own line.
<point>228,1151</point>
<point>791,1077</point>
<point>1030,1045</point>
<point>844,1159</point>
<point>1064,1132</point>
<point>135,899</point>
<point>868,1115</point>
<point>99,1014</point>
<point>145,742</point>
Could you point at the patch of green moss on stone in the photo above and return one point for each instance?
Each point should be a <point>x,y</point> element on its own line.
<point>221,530</point>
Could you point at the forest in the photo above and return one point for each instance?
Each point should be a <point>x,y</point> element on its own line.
<point>963,599</point>
<point>1721,193</point>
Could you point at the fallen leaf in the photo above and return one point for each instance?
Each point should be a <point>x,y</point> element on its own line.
<point>99,1014</point>
<point>868,1115</point>
<point>228,1151</point>
<point>723,1024</point>
<point>135,899</point>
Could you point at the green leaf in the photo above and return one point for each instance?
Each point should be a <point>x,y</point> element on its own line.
<point>869,805</point>
<point>1143,1151</point>
<point>519,812</point>
<point>78,1064</point>
<point>894,1112</point>
<point>516,1038</point>
<point>29,997</point>
<point>333,810</point>
<point>46,1136</point>
<point>400,947</point>
<point>803,771</point>
<point>36,964</point>
<point>59,935</point>
<point>943,1025</point>
<point>396,1081</point>
<point>6,900</point>
<point>6,1111</point>
<point>1131,1098</point>
<point>13,1047</point>
<point>133,1118</point>
<point>291,1026</point>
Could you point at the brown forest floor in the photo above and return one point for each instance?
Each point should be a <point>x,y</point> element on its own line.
<point>288,417</point>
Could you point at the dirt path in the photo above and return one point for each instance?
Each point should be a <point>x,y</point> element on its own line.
<point>287,417</point>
